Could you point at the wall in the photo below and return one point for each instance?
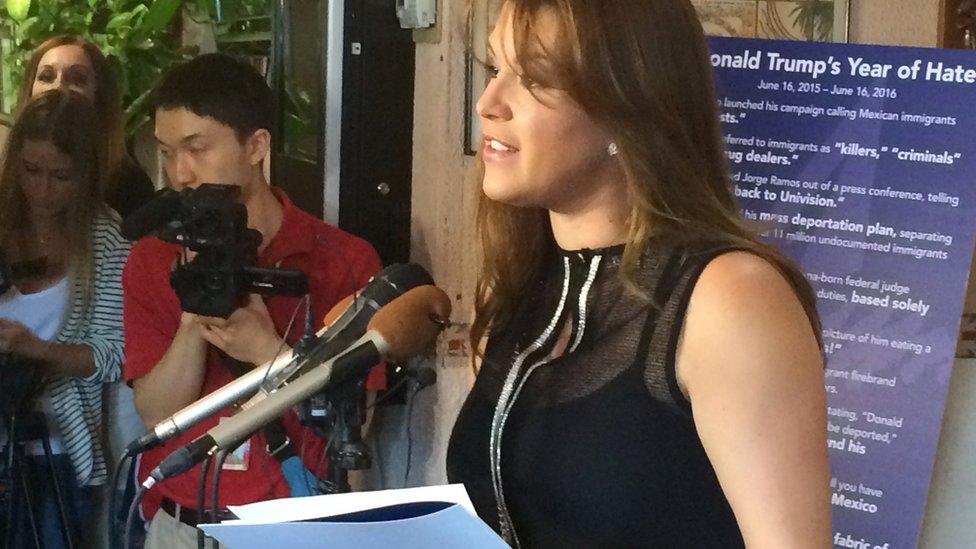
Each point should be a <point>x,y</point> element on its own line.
<point>895,22</point>
<point>442,238</point>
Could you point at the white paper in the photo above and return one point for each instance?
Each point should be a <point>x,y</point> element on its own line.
<point>267,524</point>
<point>313,507</point>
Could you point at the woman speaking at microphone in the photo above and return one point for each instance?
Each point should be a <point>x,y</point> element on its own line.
<point>652,374</point>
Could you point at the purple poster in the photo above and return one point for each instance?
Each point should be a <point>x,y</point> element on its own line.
<point>859,162</point>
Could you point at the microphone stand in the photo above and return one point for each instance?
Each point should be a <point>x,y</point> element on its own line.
<point>337,415</point>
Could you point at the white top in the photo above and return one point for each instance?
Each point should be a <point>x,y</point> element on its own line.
<point>41,312</point>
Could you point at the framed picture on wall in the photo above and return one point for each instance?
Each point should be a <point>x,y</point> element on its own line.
<point>814,20</point>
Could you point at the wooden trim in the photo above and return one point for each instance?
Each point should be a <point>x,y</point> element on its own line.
<point>950,36</point>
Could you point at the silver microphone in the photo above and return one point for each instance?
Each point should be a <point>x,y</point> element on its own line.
<point>399,331</point>
<point>345,322</point>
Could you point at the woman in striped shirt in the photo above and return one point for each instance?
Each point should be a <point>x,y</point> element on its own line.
<point>62,318</point>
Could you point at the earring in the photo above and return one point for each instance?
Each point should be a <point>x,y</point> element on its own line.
<point>612,149</point>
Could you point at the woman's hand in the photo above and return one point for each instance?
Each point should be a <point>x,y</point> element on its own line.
<point>19,340</point>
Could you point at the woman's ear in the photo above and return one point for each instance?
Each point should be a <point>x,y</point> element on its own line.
<point>258,146</point>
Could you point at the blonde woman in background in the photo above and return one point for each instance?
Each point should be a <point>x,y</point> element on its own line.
<point>64,319</point>
<point>72,63</point>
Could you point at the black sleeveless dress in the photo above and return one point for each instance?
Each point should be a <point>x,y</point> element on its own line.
<point>596,448</point>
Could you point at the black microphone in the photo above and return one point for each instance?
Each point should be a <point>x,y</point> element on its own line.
<point>351,322</point>
<point>346,322</point>
<point>400,330</point>
<point>422,377</point>
<point>152,215</point>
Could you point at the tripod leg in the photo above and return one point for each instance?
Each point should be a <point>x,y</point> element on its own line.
<point>22,468</point>
<point>31,511</point>
<point>11,487</point>
<point>20,497</point>
<point>59,499</point>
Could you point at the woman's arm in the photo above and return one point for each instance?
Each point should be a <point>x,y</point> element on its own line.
<point>750,365</point>
<point>95,350</point>
<point>103,335</point>
<point>55,358</point>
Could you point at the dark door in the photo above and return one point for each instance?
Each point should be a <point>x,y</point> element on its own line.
<point>376,129</point>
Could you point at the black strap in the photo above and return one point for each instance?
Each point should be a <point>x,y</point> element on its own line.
<point>279,445</point>
<point>189,516</point>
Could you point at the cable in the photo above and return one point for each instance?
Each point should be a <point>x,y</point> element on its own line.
<point>422,378</point>
<point>215,485</point>
<point>389,392</point>
<point>284,339</point>
<point>201,494</point>
<point>324,485</point>
<point>133,509</point>
<point>113,497</point>
<point>413,400</point>
<point>308,337</point>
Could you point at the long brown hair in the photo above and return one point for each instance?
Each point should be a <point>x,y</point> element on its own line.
<point>108,100</point>
<point>69,122</point>
<point>640,69</point>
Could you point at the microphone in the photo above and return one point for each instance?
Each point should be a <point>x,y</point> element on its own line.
<point>348,318</point>
<point>349,323</point>
<point>164,204</point>
<point>400,330</point>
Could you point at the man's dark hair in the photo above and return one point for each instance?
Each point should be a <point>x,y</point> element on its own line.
<point>220,87</point>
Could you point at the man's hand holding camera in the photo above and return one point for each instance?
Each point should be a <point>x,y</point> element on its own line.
<point>248,334</point>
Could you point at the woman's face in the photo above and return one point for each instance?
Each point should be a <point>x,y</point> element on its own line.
<point>47,178</point>
<point>540,148</point>
<point>65,67</point>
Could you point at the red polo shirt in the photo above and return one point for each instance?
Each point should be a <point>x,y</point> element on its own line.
<point>336,263</point>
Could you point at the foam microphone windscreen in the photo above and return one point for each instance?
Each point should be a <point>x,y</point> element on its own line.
<point>406,323</point>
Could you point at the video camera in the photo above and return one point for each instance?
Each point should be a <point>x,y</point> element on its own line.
<point>210,221</point>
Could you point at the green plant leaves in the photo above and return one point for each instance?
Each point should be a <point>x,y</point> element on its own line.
<point>160,14</point>
<point>124,21</point>
<point>136,36</point>
<point>133,34</point>
<point>18,9</point>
